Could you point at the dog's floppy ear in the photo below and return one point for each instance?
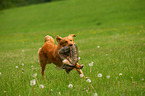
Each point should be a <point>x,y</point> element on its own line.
<point>58,38</point>
<point>73,35</point>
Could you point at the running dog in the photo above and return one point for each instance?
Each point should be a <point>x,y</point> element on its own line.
<point>49,53</point>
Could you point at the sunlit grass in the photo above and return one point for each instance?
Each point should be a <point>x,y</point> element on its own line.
<point>110,36</point>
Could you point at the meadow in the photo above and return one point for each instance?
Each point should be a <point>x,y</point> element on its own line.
<point>109,33</point>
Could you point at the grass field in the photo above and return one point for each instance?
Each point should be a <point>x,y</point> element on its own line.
<point>110,33</point>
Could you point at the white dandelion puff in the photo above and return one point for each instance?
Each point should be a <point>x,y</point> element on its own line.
<point>51,90</point>
<point>142,79</point>
<point>87,91</point>
<point>70,86</point>
<point>89,80</point>
<point>120,74</point>
<point>91,64</point>
<point>98,46</point>
<point>34,75</point>
<point>22,64</point>
<point>99,75</point>
<point>32,66</point>
<point>108,76</point>
<point>81,75</point>
<point>4,91</point>
<point>59,93</point>
<point>41,86</point>
<point>79,58</point>
<point>23,50</point>
<point>33,82</point>
<point>16,66</point>
<point>95,94</point>
<point>0,73</point>
<point>106,54</point>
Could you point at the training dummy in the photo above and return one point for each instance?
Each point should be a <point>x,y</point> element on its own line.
<point>69,56</point>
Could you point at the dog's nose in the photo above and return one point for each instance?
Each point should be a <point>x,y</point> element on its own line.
<point>70,44</point>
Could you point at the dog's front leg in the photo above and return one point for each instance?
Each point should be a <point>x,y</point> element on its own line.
<point>81,72</point>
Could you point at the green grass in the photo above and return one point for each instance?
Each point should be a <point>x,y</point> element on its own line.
<point>118,27</point>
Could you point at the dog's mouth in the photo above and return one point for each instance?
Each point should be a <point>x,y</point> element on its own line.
<point>71,67</point>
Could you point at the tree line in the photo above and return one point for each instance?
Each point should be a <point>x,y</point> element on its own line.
<point>16,3</point>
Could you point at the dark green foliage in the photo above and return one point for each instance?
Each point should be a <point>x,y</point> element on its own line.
<point>15,3</point>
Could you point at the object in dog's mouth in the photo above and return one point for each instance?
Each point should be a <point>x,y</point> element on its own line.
<point>69,56</point>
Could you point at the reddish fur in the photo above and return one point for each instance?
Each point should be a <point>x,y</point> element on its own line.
<point>49,52</point>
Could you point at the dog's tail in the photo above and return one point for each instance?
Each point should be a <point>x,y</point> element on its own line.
<point>48,38</point>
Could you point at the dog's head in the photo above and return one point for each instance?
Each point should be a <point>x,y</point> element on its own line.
<point>66,41</point>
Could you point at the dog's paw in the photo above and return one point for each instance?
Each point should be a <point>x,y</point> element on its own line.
<point>85,77</point>
<point>82,66</point>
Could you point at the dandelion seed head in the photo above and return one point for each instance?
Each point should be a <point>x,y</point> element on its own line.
<point>142,79</point>
<point>41,86</point>
<point>95,94</point>
<point>81,75</point>
<point>91,64</point>
<point>33,82</point>
<point>32,66</point>
<point>120,74</point>
<point>99,75</point>
<point>23,50</point>
<point>70,86</point>
<point>106,54</point>
<point>16,66</point>
<point>98,46</point>
<point>59,93</point>
<point>51,90</point>
<point>22,64</point>
<point>108,76</point>
<point>87,91</point>
<point>79,58</point>
<point>4,91</point>
<point>34,75</point>
<point>89,80</point>
<point>0,73</point>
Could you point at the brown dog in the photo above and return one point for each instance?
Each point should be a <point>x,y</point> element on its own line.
<point>49,52</point>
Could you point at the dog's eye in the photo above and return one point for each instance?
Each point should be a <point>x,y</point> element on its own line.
<point>70,40</point>
<point>65,41</point>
